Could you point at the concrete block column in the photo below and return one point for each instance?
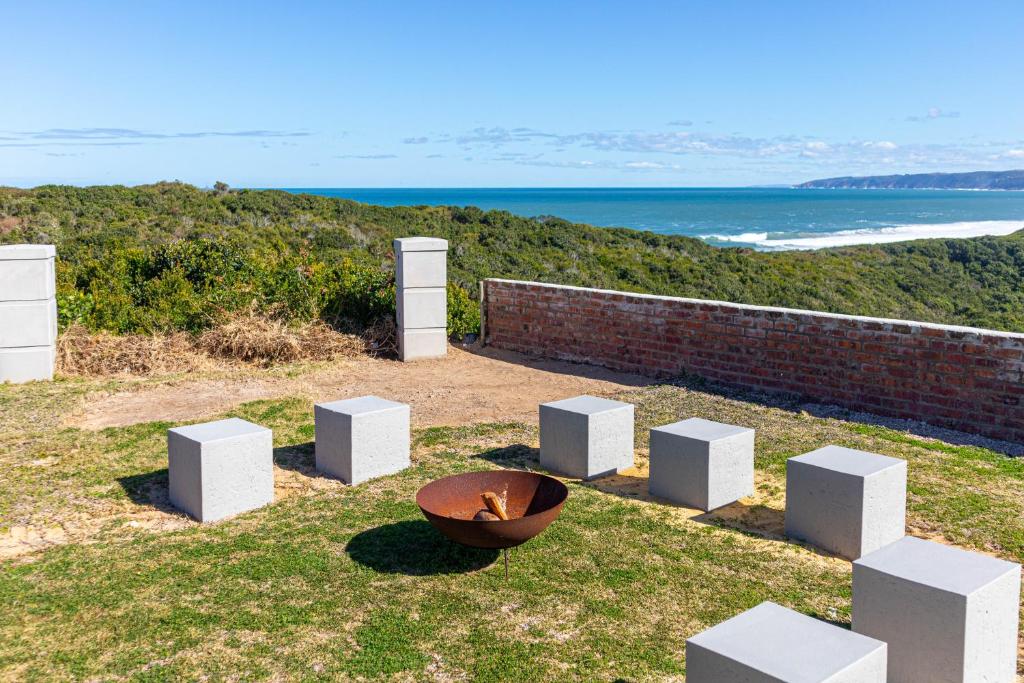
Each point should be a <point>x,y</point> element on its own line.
<point>421,278</point>
<point>28,312</point>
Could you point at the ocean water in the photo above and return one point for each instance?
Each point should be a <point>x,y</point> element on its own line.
<point>763,218</point>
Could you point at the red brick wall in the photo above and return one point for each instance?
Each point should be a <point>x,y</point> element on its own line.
<point>959,377</point>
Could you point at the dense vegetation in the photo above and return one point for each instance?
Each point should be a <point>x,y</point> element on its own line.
<point>172,256</point>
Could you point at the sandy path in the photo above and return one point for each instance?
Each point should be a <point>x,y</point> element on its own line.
<point>465,387</point>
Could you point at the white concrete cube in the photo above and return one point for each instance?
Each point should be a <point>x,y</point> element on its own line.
<point>422,344</point>
<point>28,323</point>
<point>948,615</point>
<point>772,644</point>
<point>423,308</point>
<point>421,262</point>
<point>702,464</point>
<point>26,364</point>
<point>586,436</point>
<point>219,469</point>
<point>27,272</point>
<point>361,438</point>
<point>846,501</point>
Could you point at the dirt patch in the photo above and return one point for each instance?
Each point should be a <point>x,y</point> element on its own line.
<point>153,513</point>
<point>22,539</point>
<point>463,388</point>
<point>98,522</point>
<point>760,514</point>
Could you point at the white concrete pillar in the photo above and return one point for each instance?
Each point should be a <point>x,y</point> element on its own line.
<point>28,312</point>
<point>421,278</point>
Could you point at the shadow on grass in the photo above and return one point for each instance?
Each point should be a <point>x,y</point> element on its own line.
<point>561,367</point>
<point>763,522</point>
<point>517,456</point>
<point>757,520</point>
<point>149,489</point>
<point>300,457</point>
<point>415,548</point>
<point>753,519</point>
<point>625,484</point>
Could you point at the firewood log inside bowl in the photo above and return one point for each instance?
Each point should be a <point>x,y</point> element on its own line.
<point>532,502</point>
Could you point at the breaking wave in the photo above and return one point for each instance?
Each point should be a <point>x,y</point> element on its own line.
<point>844,238</point>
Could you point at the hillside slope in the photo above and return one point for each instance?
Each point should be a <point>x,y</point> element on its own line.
<point>975,180</point>
<point>971,281</point>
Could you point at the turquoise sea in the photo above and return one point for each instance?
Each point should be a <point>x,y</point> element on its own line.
<point>764,218</point>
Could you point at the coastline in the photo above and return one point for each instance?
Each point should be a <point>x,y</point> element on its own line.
<point>763,241</point>
<point>763,218</point>
<point>915,189</point>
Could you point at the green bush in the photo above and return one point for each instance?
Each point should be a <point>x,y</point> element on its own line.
<point>192,284</point>
<point>463,313</point>
<point>360,294</point>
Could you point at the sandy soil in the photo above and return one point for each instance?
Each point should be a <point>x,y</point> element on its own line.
<point>465,387</point>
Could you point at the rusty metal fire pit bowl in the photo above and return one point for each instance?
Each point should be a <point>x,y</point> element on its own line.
<point>532,502</point>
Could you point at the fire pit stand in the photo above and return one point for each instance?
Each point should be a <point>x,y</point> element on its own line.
<point>531,500</point>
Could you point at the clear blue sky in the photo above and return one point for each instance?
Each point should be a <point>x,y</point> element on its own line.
<point>425,94</point>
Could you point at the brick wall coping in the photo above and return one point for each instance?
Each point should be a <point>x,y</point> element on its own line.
<point>980,331</point>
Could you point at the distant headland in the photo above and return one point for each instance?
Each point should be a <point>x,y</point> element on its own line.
<point>977,180</point>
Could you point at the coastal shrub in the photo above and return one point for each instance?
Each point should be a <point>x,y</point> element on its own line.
<point>359,294</point>
<point>171,256</point>
<point>193,285</point>
<point>463,313</point>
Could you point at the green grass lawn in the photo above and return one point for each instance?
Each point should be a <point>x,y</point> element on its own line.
<point>332,582</point>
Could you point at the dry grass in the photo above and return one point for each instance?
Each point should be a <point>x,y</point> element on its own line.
<point>243,339</point>
<point>96,354</point>
<point>260,341</point>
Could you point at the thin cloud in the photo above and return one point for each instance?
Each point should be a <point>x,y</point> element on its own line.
<point>934,113</point>
<point>650,166</point>
<point>601,165</point>
<point>132,134</point>
<point>512,144</point>
<point>366,156</point>
<point>685,123</point>
<point>415,141</point>
<point>69,144</point>
<point>564,164</point>
<point>497,136</point>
